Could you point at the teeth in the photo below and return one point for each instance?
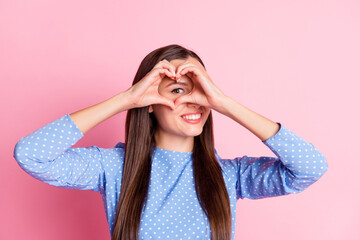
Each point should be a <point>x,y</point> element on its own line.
<point>192,116</point>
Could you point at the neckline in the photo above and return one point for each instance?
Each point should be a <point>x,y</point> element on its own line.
<point>172,152</point>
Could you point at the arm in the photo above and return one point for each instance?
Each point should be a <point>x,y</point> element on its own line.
<point>259,125</point>
<point>299,163</point>
<point>143,93</point>
<point>297,166</point>
<point>46,153</point>
<point>89,117</point>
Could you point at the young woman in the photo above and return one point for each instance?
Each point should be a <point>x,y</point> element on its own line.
<point>167,180</point>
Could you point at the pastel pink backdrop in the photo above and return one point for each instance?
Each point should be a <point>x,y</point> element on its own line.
<point>296,62</point>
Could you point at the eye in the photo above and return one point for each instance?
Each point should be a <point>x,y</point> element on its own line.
<point>177,90</point>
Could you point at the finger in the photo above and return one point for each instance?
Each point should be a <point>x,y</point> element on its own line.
<point>164,72</point>
<point>154,77</point>
<point>181,67</point>
<point>166,64</point>
<point>172,68</point>
<point>183,99</point>
<point>167,102</point>
<point>187,69</point>
<point>194,73</point>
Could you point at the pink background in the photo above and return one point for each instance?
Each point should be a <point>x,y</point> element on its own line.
<point>296,62</point>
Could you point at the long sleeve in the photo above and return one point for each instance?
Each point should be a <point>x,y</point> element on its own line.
<point>46,154</point>
<point>297,166</point>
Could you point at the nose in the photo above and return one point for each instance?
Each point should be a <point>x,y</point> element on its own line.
<point>193,105</point>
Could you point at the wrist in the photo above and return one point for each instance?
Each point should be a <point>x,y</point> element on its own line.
<point>123,101</point>
<point>223,104</point>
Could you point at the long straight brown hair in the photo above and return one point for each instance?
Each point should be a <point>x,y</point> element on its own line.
<point>139,141</point>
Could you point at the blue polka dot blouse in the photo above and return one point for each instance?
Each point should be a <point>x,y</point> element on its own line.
<point>172,209</point>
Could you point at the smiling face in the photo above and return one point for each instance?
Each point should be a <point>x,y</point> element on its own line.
<point>178,126</point>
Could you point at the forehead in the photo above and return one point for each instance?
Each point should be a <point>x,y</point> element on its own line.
<point>178,62</point>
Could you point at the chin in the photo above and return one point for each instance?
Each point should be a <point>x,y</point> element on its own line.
<point>194,133</point>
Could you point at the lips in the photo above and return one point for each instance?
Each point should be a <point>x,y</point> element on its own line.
<point>194,117</point>
<point>191,114</point>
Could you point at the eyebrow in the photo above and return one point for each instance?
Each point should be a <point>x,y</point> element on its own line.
<point>174,83</point>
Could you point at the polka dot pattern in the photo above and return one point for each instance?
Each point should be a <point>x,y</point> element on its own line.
<point>172,210</point>
<point>298,165</point>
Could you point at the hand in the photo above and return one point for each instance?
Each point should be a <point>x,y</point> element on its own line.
<point>145,92</point>
<point>204,92</point>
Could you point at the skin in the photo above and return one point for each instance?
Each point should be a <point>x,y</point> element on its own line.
<point>204,95</point>
<point>173,131</point>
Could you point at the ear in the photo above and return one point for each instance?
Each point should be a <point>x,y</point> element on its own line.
<point>151,109</point>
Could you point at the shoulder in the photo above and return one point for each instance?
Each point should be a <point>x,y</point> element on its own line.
<point>120,145</point>
<point>119,148</point>
<point>115,154</point>
<point>228,164</point>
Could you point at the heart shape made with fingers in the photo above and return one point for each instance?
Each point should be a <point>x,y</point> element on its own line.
<point>172,89</point>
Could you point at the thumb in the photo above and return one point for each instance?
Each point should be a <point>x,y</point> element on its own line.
<point>167,102</point>
<point>182,99</point>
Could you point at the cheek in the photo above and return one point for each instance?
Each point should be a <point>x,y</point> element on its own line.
<point>167,94</point>
<point>171,96</point>
<point>206,116</point>
<point>163,116</point>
